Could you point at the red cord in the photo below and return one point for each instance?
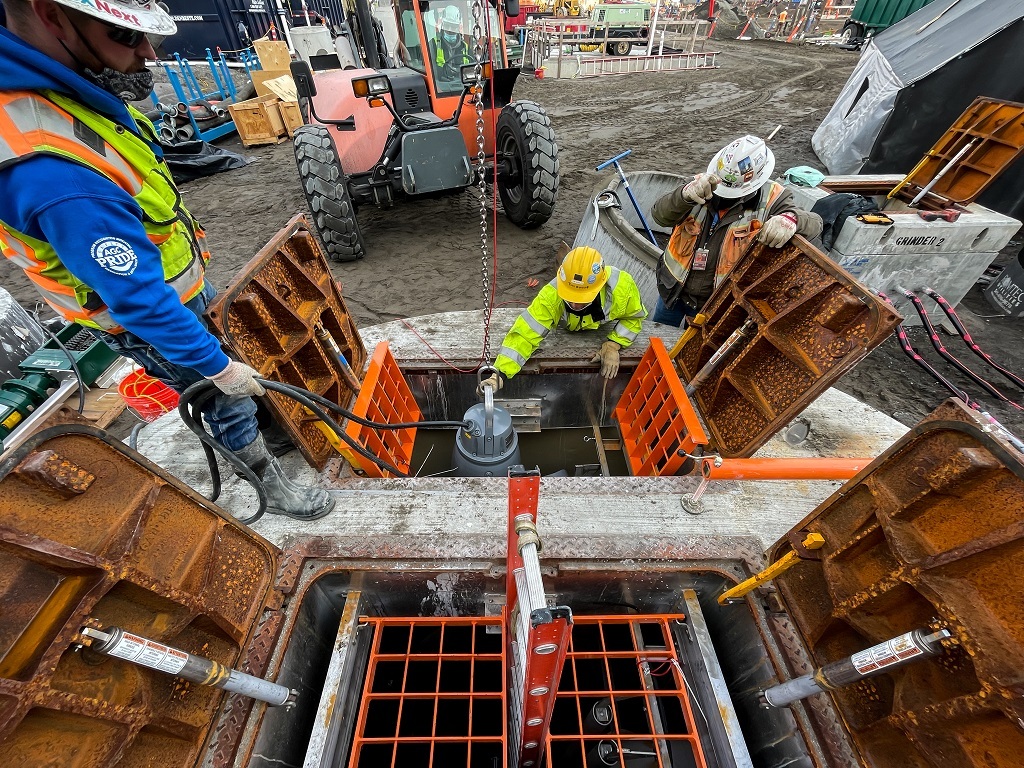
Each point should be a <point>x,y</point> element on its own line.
<point>441,357</point>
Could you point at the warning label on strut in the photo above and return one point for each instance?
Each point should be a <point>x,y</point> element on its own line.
<point>886,654</point>
<point>149,654</point>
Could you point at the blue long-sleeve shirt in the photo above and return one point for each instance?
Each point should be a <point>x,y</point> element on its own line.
<point>73,207</point>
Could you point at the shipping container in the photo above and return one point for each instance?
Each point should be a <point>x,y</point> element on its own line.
<point>870,17</point>
<point>232,25</point>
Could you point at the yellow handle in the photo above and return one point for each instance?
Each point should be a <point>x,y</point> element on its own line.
<point>780,566</point>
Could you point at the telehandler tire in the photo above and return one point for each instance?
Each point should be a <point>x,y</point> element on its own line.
<point>323,183</point>
<point>524,136</point>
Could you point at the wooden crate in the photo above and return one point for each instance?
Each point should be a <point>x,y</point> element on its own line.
<point>291,115</point>
<point>259,121</point>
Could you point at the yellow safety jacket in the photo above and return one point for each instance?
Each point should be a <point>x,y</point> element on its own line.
<point>620,303</point>
<point>51,123</point>
<point>677,259</point>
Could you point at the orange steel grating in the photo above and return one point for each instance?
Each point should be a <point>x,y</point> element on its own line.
<point>434,695</point>
<point>658,423</point>
<point>385,397</point>
<point>622,699</point>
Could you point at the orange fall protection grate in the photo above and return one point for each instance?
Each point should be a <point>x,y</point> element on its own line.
<point>622,699</point>
<point>434,695</point>
<point>385,397</point>
<point>656,418</point>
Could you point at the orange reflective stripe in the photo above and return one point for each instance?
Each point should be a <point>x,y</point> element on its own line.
<point>121,174</point>
<point>44,124</point>
<point>15,144</point>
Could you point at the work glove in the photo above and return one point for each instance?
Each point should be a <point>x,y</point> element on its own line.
<point>608,357</point>
<point>778,230</point>
<point>238,380</point>
<point>701,189</point>
<point>493,381</point>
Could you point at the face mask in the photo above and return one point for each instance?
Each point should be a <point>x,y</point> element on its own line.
<point>127,87</point>
<point>593,309</point>
<point>450,37</point>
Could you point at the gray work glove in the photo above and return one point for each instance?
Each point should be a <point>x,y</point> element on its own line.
<point>238,380</point>
<point>778,230</point>
<point>700,190</point>
<point>608,357</point>
<point>493,381</point>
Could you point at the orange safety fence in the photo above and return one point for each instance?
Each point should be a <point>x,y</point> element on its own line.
<point>623,698</point>
<point>434,694</point>
<point>657,420</point>
<point>384,397</point>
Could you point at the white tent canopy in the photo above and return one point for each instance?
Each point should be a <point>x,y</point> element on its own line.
<point>930,40</point>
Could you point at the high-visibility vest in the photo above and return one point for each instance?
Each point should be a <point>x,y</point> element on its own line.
<point>677,257</point>
<point>33,123</point>
<point>440,58</point>
<point>621,303</point>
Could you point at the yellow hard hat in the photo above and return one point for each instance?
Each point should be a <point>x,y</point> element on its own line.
<point>582,275</point>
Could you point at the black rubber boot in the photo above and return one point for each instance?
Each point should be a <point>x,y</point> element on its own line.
<point>283,496</point>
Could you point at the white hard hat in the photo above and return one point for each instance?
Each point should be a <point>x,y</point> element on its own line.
<point>451,19</point>
<point>143,15</point>
<point>742,167</point>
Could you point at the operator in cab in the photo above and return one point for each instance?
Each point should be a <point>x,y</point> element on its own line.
<point>449,51</point>
<point>585,295</point>
<point>714,217</point>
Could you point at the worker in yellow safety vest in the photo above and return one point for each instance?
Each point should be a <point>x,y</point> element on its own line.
<point>585,295</point>
<point>450,51</point>
<point>89,211</point>
<point>714,217</point>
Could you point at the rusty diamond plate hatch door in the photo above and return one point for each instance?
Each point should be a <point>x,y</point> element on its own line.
<point>814,323</point>
<point>92,533</point>
<point>929,534</point>
<point>984,141</point>
<point>285,316</point>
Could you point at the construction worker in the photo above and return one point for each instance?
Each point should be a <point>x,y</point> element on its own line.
<point>584,295</point>
<point>89,211</point>
<point>450,51</point>
<point>714,215</point>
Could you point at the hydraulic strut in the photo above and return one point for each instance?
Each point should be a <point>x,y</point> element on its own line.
<point>114,641</point>
<point>913,646</point>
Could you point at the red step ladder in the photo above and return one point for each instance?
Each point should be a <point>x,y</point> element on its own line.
<point>538,634</point>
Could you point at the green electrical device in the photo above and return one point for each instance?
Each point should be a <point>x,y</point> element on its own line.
<point>46,367</point>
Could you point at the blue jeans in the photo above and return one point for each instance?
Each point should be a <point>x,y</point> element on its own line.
<point>674,317</point>
<point>232,420</point>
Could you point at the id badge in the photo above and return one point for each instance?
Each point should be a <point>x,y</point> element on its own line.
<point>700,259</point>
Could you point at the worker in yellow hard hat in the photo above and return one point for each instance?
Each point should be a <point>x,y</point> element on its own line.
<point>585,295</point>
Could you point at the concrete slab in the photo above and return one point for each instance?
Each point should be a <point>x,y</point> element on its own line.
<point>465,517</point>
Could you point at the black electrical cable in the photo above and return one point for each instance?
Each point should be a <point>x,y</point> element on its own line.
<point>190,406</point>
<point>947,308</point>
<point>71,359</point>
<point>192,400</point>
<point>933,335</point>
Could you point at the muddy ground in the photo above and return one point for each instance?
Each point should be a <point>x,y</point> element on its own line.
<point>424,257</point>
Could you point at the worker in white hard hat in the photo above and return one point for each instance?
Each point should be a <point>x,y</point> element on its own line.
<point>449,52</point>
<point>89,210</point>
<point>714,217</point>
<point>586,294</point>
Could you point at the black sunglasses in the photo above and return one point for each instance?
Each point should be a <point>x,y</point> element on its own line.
<point>131,38</point>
